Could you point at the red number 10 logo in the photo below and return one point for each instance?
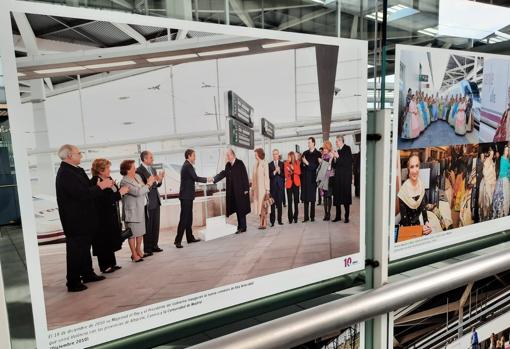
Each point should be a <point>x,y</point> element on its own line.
<point>347,262</point>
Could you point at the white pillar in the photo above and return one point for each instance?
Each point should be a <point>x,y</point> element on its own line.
<point>181,9</point>
<point>45,173</point>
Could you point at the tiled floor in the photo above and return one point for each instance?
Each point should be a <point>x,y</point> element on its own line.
<point>439,133</point>
<point>196,267</point>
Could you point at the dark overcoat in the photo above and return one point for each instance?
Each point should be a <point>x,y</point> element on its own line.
<point>237,188</point>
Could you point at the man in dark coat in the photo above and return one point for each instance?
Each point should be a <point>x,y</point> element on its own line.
<point>152,209</point>
<point>342,192</point>
<point>276,187</point>
<point>187,196</point>
<point>237,189</point>
<point>309,165</point>
<point>75,199</point>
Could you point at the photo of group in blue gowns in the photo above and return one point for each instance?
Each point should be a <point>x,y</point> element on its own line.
<point>439,98</point>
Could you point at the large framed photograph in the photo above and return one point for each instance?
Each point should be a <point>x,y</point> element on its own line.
<point>450,168</point>
<point>144,153</point>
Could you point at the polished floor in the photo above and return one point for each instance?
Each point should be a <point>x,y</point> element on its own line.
<point>196,267</point>
<point>439,133</point>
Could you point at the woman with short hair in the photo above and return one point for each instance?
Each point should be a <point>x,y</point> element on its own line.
<point>133,206</point>
<point>107,239</point>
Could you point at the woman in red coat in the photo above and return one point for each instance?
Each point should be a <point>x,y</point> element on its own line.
<point>292,169</point>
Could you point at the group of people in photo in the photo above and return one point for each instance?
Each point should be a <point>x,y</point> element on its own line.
<point>422,109</point>
<point>466,184</point>
<point>91,216</point>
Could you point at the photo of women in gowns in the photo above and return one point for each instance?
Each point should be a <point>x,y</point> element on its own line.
<point>453,111</point>
<point>487,186</point>
<point>411,198</point>
<point>502,132</point>
<point>460,118</point>
<point>501,200</point>
<point>411,126</point>
<point>440,110</point>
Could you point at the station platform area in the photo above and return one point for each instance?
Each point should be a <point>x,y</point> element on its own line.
<point>197,267</point>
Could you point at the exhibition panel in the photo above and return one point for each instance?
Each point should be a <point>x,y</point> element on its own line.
<point>240,175</point>
<point>213,96</point>
<point>451,156</point>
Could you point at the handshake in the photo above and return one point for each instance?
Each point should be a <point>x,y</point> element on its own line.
<point>210,180</point>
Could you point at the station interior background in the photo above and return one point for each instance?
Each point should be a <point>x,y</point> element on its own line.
<point>412,22</point>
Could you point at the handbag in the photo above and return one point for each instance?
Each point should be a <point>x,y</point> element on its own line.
<point>125,234</point>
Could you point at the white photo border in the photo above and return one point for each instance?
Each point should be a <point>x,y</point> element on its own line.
<point>288,280</point>
<point>449,237</point>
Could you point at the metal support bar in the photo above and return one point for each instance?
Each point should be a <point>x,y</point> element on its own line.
<point>183,329</point>
<point>312,323</point>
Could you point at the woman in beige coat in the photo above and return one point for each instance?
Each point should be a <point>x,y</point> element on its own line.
<point>260,186</point>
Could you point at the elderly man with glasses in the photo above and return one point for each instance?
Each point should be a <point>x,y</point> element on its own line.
<point>75,199</point>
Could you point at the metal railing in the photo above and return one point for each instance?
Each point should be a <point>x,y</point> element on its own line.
<point>313,323</point>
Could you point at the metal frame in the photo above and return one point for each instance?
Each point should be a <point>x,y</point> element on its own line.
<point>299,328</point>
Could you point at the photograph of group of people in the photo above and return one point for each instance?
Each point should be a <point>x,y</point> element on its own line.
<point>422,110</point>
<point>443,188</point>
<point>439,98</point>
<point>93,211</point>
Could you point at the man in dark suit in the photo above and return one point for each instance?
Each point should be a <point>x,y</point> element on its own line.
<point>152,209</point>
<point>342,191</point>
<point>309,165</point>
<point>276,187</point>
<point>186,196</point>
<point>237,189</point>
<point>75,199</point>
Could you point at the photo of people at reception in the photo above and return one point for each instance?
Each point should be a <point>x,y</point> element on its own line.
<point>442,188</point>
<point>439,98</point>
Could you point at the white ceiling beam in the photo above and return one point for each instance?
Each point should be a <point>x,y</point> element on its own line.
<point>238,9</point>
<point>181,34</point>
<point>130,31</point>
<point>27,33</point>
<point>93,80</point>
<point>49,83</point>
<point>50,46</point>
<point>131,50</point>
<point>308,17</point>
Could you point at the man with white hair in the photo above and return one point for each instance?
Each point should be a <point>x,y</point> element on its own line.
<point>75,199</point>
<point>237,189</point>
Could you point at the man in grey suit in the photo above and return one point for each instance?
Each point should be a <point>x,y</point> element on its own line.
<point>152,210</point>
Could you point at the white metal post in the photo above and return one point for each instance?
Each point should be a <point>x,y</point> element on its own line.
<point>381,216</point>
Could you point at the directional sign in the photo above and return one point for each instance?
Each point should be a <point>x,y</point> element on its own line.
<point>241,135</point>
<point>423,78</point>
<point>267,128</point>
<point>239,109</point>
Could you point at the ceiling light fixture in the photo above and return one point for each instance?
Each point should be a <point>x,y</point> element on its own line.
<point>171,58</point>
<point>109,65</point>
<point>223,52</point>
<point>278,44</point>
<point>432,31</point>
<point>394,13</point>
<point>59,70</point>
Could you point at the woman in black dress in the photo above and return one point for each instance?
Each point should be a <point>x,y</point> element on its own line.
<point>412,197</point>
<point>107,239</point>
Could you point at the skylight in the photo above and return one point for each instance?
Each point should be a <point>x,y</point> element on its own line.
<point>394,12</point>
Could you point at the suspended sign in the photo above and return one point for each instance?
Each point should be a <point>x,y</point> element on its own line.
<point>241,135</point>
<point>267,128</point>
<point>239,109</point>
